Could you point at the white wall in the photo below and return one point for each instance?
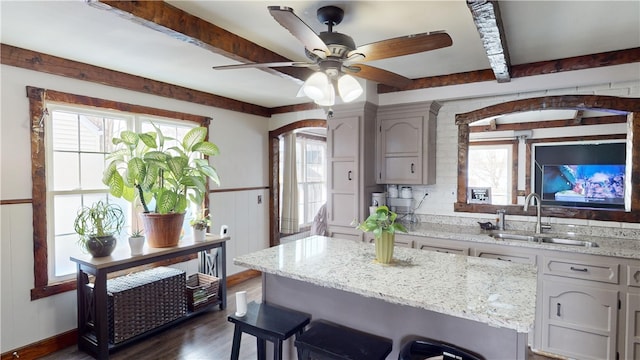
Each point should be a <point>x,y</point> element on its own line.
<point>242,164</point>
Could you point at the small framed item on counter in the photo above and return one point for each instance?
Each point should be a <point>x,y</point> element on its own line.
<point>479,195</point>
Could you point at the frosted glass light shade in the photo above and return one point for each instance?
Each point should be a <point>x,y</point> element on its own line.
<point>349,88</point>
<point>329,96</point>
<point>316,85</point>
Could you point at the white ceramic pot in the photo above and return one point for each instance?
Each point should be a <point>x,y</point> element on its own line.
<point>136,243</point>
<point>198,235</point>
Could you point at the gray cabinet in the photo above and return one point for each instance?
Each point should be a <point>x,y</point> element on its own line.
<point>350,168</point>
<point>579,321</point>
<point>441,245</point>
<point>406,143</point>
<point>632,327</point>
<point>578,314</point>
<point>505,253</point>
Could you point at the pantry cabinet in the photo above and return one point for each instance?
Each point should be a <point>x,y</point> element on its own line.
<point>350,168</point>
<point>406,143</point>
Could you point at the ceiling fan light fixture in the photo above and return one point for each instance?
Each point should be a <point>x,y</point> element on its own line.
<point>349,88</point>
<point>329,96</point>
<point>316,85</point>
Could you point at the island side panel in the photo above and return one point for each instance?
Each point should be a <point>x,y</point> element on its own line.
<point>397,322</point>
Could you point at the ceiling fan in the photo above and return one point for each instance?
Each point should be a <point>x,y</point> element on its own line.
<point>334,54</point>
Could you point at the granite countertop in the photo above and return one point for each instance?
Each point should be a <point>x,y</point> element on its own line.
<point>494,292</point>
<point>623,247</point>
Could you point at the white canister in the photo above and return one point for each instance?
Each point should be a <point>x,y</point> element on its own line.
<point>406,193</point>
<point>392,190</point>
<point>378,199</point>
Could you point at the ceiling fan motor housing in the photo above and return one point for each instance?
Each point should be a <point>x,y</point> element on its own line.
<point>339,44</point>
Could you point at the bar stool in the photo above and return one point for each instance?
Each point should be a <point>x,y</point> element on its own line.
<point>267,322</point>
<point>325,340</point>
<point>427,348</point>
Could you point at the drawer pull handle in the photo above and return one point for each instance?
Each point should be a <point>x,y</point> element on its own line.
<point>499,258</point>
<point>558,309</point>
<point>349,175</point>
<point>578,269</point>
<point>412,168</point>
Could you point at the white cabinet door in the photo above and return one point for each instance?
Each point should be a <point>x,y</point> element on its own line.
<point>579,321</point>
<point>401,148</point>
<point>632,341</point>
<point>342,148</point>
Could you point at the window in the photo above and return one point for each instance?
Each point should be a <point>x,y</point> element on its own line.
<point>311,165</point>
<point>70,137</point>
<point>490,166</point>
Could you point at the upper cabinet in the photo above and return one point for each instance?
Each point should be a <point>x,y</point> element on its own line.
<point>406,143</point>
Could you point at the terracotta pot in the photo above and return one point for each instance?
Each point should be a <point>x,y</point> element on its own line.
<point>162,230</point>
<point>384,247</point>
<point>100,246</point>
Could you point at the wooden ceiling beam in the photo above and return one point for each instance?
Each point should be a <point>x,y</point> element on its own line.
<point>486,16</point>
<point>169,20</point>
<point>618,57</point>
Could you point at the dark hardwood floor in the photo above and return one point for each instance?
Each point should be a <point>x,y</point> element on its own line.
<point>205,337</point>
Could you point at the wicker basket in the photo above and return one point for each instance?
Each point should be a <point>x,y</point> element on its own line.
<point>145,300</point>
<point>202,291</point>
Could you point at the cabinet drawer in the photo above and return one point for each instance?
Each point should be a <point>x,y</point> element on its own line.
<point>581,270</point>
<point>399,240</point>
<point>513,257</point>
<point>633,275</point>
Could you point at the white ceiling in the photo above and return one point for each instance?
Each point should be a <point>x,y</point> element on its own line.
<point>535,31</point>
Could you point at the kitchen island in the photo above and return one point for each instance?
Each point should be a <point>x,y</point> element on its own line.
<point>484,305</point>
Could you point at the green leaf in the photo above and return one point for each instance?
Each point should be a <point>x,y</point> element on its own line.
<point>207,148</point>
<point>129,137</point>
<point>165,201</point>
<point>116,184</point>
<point>193,137</point>
<point>177,165</point>
<point>149,139</point>
<point>135,171</point>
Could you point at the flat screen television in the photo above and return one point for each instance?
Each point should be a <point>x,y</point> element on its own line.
<point>581,174</point>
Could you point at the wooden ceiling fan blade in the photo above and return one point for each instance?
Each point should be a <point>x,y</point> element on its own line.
<point>378,75</point>
<point>261,65</point>
<point>405,45</point>
<point>289,20</point>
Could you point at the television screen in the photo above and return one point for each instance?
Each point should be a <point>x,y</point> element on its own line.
<point>581,174</point>
<point>595,184</point>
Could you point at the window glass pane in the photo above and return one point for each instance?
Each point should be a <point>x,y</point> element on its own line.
<point>65,171</point>
<point>64,131</point>
<point>489,167</point>
<point>65,208</point>
<point>91,133</point>
<point>92,167</point>
<point>113,128</point>
<point>65,247</point>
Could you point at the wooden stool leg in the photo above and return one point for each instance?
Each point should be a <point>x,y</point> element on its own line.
<point>235,349</point>
<point>262,348</point>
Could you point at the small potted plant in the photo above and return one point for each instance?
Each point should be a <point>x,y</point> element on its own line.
<point>136,241</point>
<point>98,225</point>
<point>200,223</point>
<point>382,223</point>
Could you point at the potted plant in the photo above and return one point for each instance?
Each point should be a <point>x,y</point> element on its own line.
<point>199,224</point>
<point>136,241</point>
<point>98,226</point>
<point>141,167</point>
<point>384,226</point>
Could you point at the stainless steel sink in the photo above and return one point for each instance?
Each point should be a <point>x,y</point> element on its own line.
<point>543,239</point>
<point>504,236</point>
<point>561,241</point>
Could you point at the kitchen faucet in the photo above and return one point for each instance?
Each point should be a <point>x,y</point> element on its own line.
<point>527,200</point>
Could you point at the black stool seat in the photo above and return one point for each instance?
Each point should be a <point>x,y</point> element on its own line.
<point>267,323</point>
<point>326,340</point>
<point>427,348</point>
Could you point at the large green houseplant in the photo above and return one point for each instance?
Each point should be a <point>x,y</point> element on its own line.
<point>382,223</point>
<point>142,168</point>
<point>97,225</point>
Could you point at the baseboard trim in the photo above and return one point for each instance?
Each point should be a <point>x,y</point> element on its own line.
<point>70,338</point>
<point>43,347</point>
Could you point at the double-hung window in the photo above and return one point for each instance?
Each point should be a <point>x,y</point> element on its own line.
<point>311,167</point>
<point>71,139</point>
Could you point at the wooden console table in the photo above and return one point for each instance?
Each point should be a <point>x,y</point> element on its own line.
<point>93,327</point>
